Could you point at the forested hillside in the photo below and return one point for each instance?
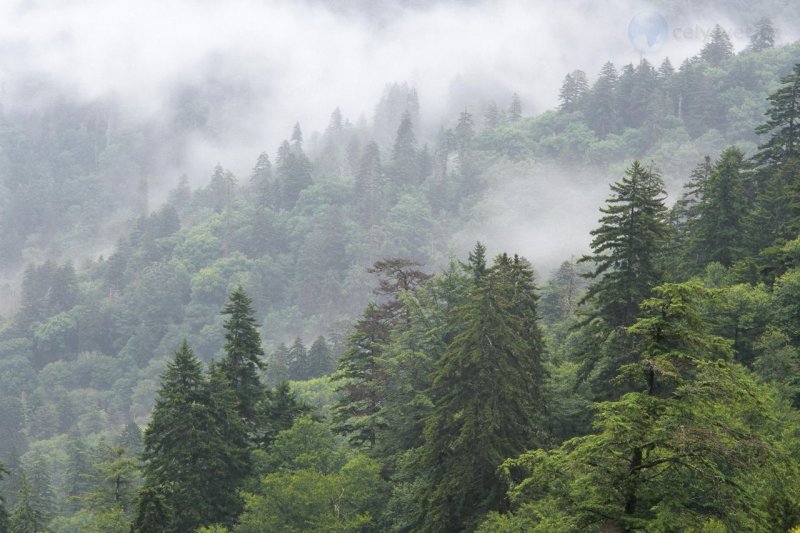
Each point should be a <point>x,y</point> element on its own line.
<point>311,347</point>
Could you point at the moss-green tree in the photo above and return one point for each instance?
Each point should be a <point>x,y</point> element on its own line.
<point>487,400</point>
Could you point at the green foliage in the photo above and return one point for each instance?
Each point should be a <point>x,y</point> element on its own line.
<point>487,399</point>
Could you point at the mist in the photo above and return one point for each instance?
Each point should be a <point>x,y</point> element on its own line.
<point>269,64</point>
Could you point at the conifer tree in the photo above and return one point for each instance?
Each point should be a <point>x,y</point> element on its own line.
<point>625,252</point>
<point>281,410</point>
<point>242,361</point>
<point>320,358</point>
<point>195,449</point>
<point>719,47</point>
<point>299,365</point>
<point>515,108</point>
<point>601,113</point>
<point>369,186</point>
<point>404,153</point>
<point>783,124</point>
<point>491,117</point>
<point>278,368</point>
<point>261,180</point>
<point>487,400</point>
<point>717,231</point>
<point>763,37</point>
<point>355,414</point>
<point>573,91</point>
<point>27,517</point>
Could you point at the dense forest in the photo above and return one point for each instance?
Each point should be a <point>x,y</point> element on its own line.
<point>301,348</point>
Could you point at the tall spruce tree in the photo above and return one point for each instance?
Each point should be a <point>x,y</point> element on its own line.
<point>369,186</point>
<point>719,47</point>
<point>763,37</point>
<point>717,231</point>
<point>242,361</point>
<point>783,123</point>
<point>487,399</point>
<point>573,91</point>
<point>624,259</point>
<point>359,375</point>
<point>515,108</point>
<point>195,450</point>
<point>601,113</point>
<point>405,165</point>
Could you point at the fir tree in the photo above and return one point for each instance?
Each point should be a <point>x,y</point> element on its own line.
<point>515,108</point>
<point>195,449</point>
<point>404,153</point>
<point>487,400</point>
<point>261,180</point>
<point>360,375</point>
<point>573,91</point>
<point>369,186</point>
<point>27,517</point>
<point>601,113</point>
<point>625,252</point>
<point>299,364</point>
<point>242,361</point>
<point>320,358</point>
<point>719,47</point>
<point>717,231</point>
<point>281,410</point>
<point>783,124</point>
<point>763,37</point>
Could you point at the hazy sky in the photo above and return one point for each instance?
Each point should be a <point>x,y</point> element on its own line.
<point>298,60</point>
<point>301,59</point>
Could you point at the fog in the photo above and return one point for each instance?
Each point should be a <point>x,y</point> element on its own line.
<point>288,61</point>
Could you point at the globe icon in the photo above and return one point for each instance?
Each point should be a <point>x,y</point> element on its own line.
<point>647,31</point>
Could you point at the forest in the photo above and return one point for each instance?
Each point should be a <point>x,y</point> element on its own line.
<point>303,348</point>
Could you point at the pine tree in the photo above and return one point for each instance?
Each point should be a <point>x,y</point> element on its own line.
<point>487,400</point>
<point>369,186</point>
<point>278,368</point>
<point>625,253</point>
<point>491,117</point>
<point>26,516</point>
<point>281,410</point>
<point>717,231</point>
<point>261,180</point>
<point>719,47</point>
<point>321,358</point>
<point>601,112</point>
<point>783,124</point>
<point>299,364</point>
<point>195,449</point>
<point>404,154</point>
<point>764,36</point>
<point>360,375</point>
<point>573,91</point>
<point>515,108</point>
<point>242,361</point>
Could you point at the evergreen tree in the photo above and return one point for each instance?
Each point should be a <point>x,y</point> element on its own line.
<point>261,180</point>
<point>369,186</point>
<point>717,231</point>
<point>573,91</point>
<point>281,410</point>
<point>242,361</point>
<point>27,517</point>
<point>515,108</point>
<point>321,360</point>
<point>719,47</point>
<point>293,171</point>
<point>491,117</point>
<point>601,111</point>
<point>360,375</point>
<point>487,400</point>
<point>299,364</point>
<point>195,449</point>
<point>152,514</point>
<point>625,252</point>
<point>404,154</point>
<point>278,368</point>
<point>783,124</point>
<point>763,37</point>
